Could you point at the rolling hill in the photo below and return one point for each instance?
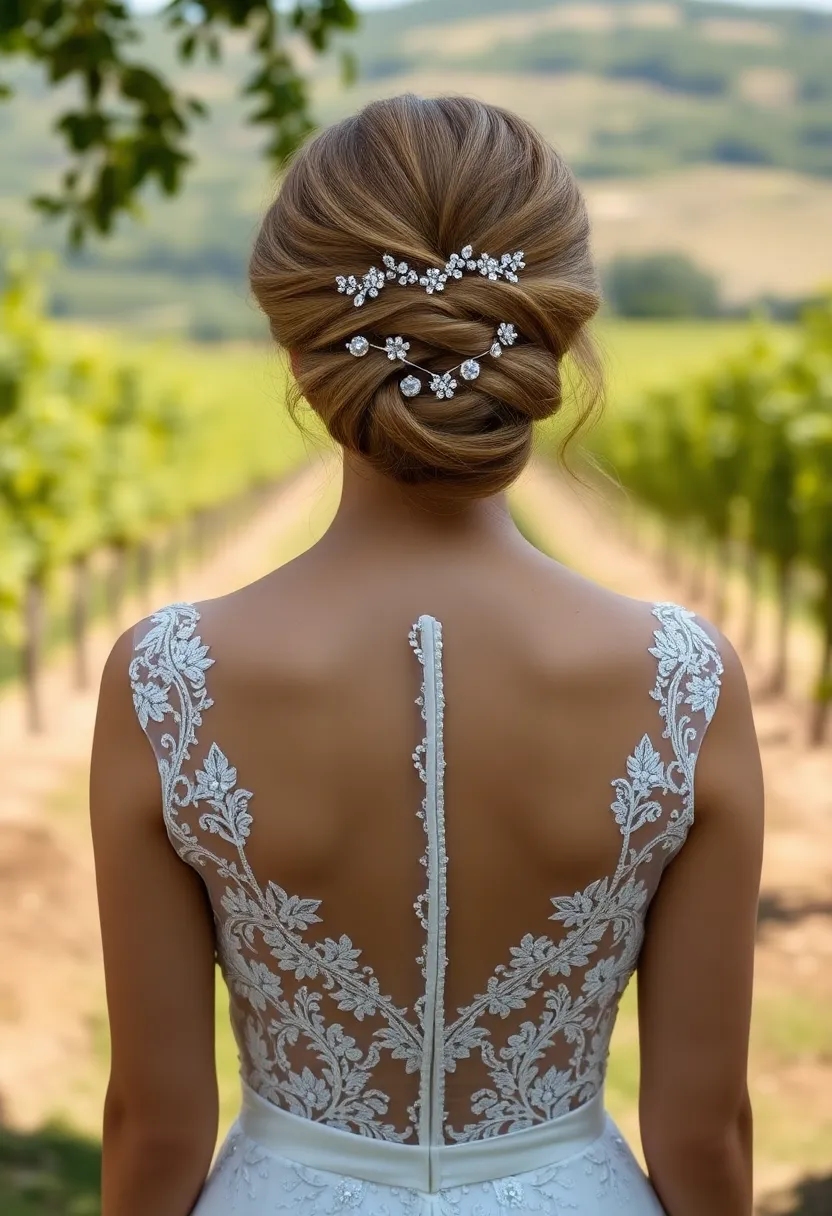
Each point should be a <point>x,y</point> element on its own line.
<point>694,126</point>
<point>737,86</point>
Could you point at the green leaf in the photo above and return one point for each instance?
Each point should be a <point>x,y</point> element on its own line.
<point>84,129</point>
<point>48,205</point>
<point>141,84</point>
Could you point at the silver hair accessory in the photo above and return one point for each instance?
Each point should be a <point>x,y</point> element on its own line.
<point>442,384</point>
<point>507,266</point>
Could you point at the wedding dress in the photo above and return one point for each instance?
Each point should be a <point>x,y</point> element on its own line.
<point>354,1101</point>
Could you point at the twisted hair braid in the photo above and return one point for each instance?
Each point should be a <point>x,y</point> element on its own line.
<point>422,178</point>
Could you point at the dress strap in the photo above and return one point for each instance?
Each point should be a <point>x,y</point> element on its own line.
<point>688,680</point>
<point>167,676</point>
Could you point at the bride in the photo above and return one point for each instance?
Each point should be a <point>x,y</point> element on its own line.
<point>425,794</point>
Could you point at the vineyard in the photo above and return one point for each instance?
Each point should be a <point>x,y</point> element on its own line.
<point>736,463</point>
<point>116,462</point>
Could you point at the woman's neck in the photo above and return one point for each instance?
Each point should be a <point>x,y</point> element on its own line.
<point>374,506</point>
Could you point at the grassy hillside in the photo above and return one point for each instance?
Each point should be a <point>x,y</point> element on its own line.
<point>695,126</point>
<point>737,87</point>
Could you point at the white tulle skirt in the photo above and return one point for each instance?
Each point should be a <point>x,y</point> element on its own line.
<point>273,1161</point>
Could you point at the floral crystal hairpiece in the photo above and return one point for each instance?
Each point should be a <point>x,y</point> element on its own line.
<point>507,266</point>
<point>442,384</point>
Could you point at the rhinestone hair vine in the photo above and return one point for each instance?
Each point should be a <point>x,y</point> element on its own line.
<point>507,267</point>
<point>442,384</point>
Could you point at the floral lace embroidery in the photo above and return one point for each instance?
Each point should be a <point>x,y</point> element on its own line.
<point>168,678</point>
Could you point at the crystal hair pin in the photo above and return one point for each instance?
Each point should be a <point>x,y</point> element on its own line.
<point>507,267</point>
<point>442,384</point>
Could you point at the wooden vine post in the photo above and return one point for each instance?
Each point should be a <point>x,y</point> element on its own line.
<point>79,624</point>
<point>33,634</point>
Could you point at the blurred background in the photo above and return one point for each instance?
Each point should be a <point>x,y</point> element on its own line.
<point>146,453</point>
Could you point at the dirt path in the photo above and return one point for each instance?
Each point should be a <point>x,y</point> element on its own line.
<point>51,1000</point>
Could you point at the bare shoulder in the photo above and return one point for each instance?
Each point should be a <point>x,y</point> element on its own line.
<point>123,770</point>
<point>678,636</point>
<point>281,597</point>
<point>627,643</point>
<point>615,632</point>
<point>729,770</point>
<point>115,694</point>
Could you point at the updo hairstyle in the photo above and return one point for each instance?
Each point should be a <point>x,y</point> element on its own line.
<point>420,179</point>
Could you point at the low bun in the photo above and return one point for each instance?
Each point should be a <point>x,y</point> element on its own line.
<point>422,178</point>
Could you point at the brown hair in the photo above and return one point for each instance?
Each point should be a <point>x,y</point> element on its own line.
<point>421,178</point>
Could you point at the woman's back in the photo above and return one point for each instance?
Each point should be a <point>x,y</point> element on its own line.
<point>426,915</point>
<point>554,795</point>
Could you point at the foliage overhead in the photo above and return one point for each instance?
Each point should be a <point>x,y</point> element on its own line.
<point>130,124</point>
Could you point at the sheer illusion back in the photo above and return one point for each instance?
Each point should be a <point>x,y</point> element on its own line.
<point>416,950</point>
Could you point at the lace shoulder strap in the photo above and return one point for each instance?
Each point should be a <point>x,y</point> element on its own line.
<point>688,679</point>
<point>167,676</point>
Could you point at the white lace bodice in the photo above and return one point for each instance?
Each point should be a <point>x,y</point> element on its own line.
<point>317,1031</point>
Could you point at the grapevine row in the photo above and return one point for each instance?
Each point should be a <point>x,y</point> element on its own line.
<point>739,460</point>
<point>136,453</point>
